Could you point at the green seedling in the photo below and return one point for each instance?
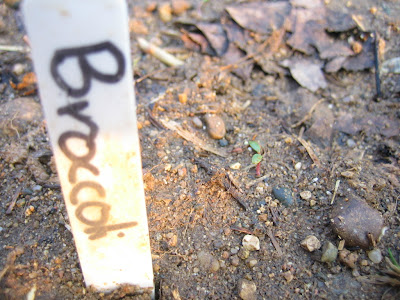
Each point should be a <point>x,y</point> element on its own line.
<point>392,259</point>
<point>257,158</point>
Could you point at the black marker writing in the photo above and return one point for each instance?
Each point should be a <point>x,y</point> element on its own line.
<point>98,228</point>
<point>79,161</point>
<point>88,71</point>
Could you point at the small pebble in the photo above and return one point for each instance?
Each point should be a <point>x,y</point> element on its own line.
<point>223,142</point>
<point>37,188</point>
<point>310,243</point>
<point>247,289</point>
<point>329,252</point>
<point>375,256</point>
<point>234,250</point>
<point>235,260</point>
<point>297,166</point>
<point>288,276</point>
<point>19,69</point>
<point>207,261</point>
<point>284,195</point>
<point>197,122</point>
<point>27,191</point>
<point>235,166</point>
<point>313,202</point>
<point>165,12</point>
<point>180,6</point>
<point>215,126</point>
<point>305,195</point>
<point>355,273</point>
<point>355,220</point>
<point>243,253</point>
<point>351,143</point>
<point>252,262</point>
<point>156,268</point>
<point>29,210</point>
<point>251,242</point>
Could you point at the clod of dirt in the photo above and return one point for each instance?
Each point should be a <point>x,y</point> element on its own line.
<point>251,243</point>
<point>329,252</point>
<point>14,153</point>
<point>37,170</point>
<point>375,256</point>
<point>284,195</point>
<point>357,223</point>
<point>215,126</point>
<point>208,262</point>
<point>17,115</point>
<point>311,243</point>
<point>247,289</point>
<point>243,253</point>
<point>348,258</point>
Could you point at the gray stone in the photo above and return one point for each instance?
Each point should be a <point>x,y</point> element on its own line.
<point>284,195</point>
<point>329,252</point>
<point>197,122</point>
<point>375,256</point>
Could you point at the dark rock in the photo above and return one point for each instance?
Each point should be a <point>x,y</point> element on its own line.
<point>357,223</point>
<point>284,195</point>
<point>223,142</point>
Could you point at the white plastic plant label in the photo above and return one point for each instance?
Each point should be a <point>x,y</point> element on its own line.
<point>81,55</point>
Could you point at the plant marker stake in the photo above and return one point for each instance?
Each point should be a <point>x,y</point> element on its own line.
<point>82,60</point>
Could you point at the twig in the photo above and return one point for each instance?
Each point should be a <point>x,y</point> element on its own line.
<point>309,114</point>
<point>13,201</point>
<point>255,181</point>
<point>172,125</point>
<point>335,191</point>
<point>154,121</point>
<point>274,216</point>
<point>376,64</point>
<point>310,151</point>
<point>11,257</point>
<point>206,166</point>
<point>243,230</point>
<point>11,48</point>
<point>152,74</point>
<point>274,242</point>
<point>159,53</point>
<point>236,195</point>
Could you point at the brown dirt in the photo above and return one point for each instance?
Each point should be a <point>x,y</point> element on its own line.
<point>190,210</point>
